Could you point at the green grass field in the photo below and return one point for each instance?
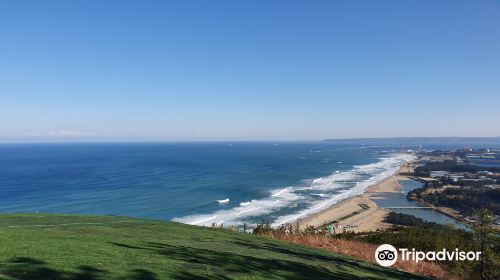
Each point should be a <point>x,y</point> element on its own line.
<point>42,246</point>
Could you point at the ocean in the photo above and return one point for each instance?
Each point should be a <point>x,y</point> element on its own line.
<point>194,183</point>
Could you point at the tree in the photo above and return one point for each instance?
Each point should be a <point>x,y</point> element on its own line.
<point>484,236</point>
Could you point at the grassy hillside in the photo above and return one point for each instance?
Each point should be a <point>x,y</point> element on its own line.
<point>41,246</point>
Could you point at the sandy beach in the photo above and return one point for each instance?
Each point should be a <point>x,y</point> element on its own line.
<point>359,213</point>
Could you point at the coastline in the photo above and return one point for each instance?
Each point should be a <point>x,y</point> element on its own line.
<point>359,213</point>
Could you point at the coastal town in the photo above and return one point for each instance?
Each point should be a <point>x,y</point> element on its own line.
<point>456,182</point>
<point>453,183</point>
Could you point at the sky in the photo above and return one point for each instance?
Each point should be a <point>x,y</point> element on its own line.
<point>248,70</point>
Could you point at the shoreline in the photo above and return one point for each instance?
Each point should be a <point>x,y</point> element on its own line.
<point>359,213</point>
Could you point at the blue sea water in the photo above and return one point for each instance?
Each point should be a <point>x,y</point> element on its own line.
<point>196,183</point>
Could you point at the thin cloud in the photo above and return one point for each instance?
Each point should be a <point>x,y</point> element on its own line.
<point>64,133</point>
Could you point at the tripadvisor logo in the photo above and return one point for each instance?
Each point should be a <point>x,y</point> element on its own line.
<point>387,255</point>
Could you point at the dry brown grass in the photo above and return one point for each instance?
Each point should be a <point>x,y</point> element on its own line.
<point>364,251</point>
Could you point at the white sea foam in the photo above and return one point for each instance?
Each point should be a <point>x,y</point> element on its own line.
<point>343,185</point>
<point>223,201</point>
<point>378,172</point>
<point>281,191</point>
<point>278,199</point>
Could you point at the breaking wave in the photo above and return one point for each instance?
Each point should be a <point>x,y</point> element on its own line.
<point>318,194</point>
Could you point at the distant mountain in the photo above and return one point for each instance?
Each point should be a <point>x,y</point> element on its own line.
<point>410,141</point>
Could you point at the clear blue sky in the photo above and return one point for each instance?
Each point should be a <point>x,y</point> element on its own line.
<point>197,70</point>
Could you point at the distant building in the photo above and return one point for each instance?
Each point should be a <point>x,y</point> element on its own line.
<point>438,174</point>
<point>485,173</point>
<point>456,178</point>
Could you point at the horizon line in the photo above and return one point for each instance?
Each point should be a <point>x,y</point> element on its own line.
<point>110,141</point>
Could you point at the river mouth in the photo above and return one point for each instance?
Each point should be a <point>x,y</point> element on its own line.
<point>399,199</point>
